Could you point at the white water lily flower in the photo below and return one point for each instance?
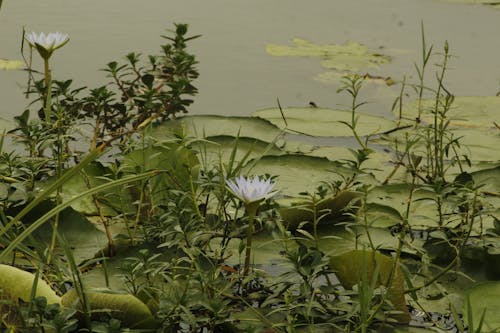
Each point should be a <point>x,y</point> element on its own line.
<point>47,43</point>
<point>251,190</point>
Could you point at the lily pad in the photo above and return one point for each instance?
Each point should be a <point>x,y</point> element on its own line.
<point>181,164</point>
<point>266,251</point>
<point>220,148</point>
<point>377,164</point>
<point>349,270</point>
<point>467,111</point>
<point>485,297</point>
<point>5,125</point>
<point>331,209</point>
<point>353,236</point>
<point>333,77</point>
<point>489,179</point>
<point>296,173</point>
<point>350,56</point>
<point>210,126</point>
<point>482,2</point>
<point>480,145</point>
<point>17,284</point>
<point>11,64</point>
<point>92,176</point>
<point>324,122</point>
<point>422,211</point>
<point>127,308</point>
<point>84,238</point>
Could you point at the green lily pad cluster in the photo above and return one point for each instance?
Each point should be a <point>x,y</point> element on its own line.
<point>351,56</point>
<point>340,59</point>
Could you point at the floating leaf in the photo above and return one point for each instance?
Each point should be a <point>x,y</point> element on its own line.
<point>474,2</point>
<point>331,209</point>
<point>324,122</point>
<point>11,64</point>
<point>297,173</point>
<point>377,164</point>
<point>209,126</point>
<point>83,237</point>
<point>5,125</point>
<point>480,145</point>
<point>336,77</point>
<point>266,251</point>
<point>353,236</point>
<point>92,176</point>
<point>351,56</point>
<point>127,308</point>
<point>422,211</point>
<point>220,148</point>
<point>349,270</point>
<point>17,284</point>
<point>489,179</point>
<point>180,162</point>
<point>466,112</point>
<point>485,297</point>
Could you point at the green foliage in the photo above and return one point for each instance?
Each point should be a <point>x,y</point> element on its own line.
<point>152,221</point>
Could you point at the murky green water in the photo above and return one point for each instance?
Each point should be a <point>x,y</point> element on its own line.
<point>237,75</point>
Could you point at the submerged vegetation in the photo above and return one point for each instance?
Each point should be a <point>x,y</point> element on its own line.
<point>120,214</point>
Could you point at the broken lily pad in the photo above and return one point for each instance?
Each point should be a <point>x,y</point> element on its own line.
<point>335,77</point>
<point>324,122</point>
<point>350,56</point>
<point>11,64</point>
<point>477,2</point>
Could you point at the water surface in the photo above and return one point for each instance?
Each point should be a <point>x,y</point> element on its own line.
<point>237,76</point>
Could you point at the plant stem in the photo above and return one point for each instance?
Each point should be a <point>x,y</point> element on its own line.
<point>48,91</point>
<point>251,211</point>
<point>59,169</point>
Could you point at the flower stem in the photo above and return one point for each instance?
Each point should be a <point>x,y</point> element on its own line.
<point>251,211</point>
<point>48,91</point>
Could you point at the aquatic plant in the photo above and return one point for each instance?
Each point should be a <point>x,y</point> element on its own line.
<point>251,192</point>
<point>46,44</point>
<point>357,241</point>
